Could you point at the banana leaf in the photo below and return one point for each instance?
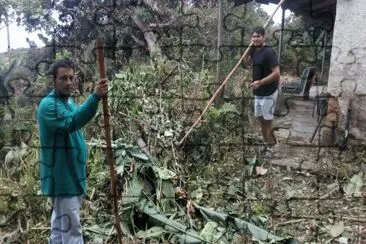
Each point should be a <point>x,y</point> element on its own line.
<point>181,233</point>
<point>240,226</point>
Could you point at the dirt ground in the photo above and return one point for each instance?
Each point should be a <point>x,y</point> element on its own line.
<point>306,183</point>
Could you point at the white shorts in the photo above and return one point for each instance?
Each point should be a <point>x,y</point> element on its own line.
<point>264,106</point>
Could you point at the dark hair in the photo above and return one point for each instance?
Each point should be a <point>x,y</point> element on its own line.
<point>259,30</point>
<point>64,63</point>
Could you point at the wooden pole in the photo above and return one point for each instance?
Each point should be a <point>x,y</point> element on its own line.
<point>8,35</point>
<point>219,41</point>
<point>107,129</point>
<point>280,48</point>
<point>226,79</point>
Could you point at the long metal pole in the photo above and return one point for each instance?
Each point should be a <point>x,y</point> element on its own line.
<point>280,48</point>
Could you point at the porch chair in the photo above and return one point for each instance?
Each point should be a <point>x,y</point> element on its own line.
<point>297,87</point>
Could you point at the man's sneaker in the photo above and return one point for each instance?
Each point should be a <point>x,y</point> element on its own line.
<point>263,150</point>
<point>269,152</point>
<point>266,152</point>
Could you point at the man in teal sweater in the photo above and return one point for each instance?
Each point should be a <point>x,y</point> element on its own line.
<point>63,155</point>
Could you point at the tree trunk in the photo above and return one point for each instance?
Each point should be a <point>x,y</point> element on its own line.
<point>219,57</point>
<point>150,38</point>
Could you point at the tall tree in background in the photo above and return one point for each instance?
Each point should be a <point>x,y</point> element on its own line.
<point>304,42</point>
<point>175,29</point>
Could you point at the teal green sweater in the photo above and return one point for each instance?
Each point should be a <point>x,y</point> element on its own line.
<point>63,155</point>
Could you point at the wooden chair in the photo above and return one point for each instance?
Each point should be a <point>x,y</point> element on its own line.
<point>297,87</point>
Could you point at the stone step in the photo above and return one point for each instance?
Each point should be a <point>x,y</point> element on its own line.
<point>294,163</point>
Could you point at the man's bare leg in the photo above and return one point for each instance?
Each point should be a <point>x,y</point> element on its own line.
<point>266,126</point>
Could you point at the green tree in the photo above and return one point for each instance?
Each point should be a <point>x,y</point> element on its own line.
<point>158,28</point>
<point>304,43</point>
<point>34,15</point>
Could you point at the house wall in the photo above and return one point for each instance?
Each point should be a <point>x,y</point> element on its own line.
<point>347,74</point>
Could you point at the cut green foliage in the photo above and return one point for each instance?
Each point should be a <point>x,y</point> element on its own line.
<point>337,229</point>
<point>354,186</point>
<point>149,190</point>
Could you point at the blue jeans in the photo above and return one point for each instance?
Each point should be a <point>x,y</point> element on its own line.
<point>65,221</point>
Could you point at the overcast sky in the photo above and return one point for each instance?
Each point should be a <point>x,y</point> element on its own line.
<point>18,34</point>
<point>270,8</point>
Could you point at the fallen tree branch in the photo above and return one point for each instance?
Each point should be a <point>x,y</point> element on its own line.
<point>137,40</point>
<point>40,228</point>
<point>360,219</point>
<point>169,75</point>
<point>356,219</point>
<point>329,193</point>
<point>291,222</point>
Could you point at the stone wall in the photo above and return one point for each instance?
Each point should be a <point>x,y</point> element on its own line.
<point>347,75</point>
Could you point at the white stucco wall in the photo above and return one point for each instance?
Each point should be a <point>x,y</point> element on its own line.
<point>347,75</point>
